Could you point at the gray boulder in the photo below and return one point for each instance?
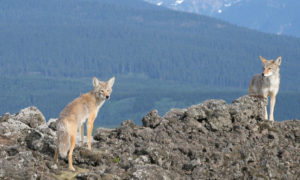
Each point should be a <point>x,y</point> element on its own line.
<point>215,113</point>
<point>152,119</point>
<point>30,116</point>
<point>248,108</point>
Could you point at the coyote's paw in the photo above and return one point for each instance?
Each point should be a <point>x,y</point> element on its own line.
<point>71,168</point>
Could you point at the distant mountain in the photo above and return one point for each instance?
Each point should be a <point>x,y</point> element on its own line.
<point>272,16</point>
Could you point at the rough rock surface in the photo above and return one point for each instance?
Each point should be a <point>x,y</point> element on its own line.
<point>211,140</point>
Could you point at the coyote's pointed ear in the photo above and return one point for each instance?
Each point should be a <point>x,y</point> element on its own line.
<point>263,60</point>
<point>96,82</point>
<point>277,61</point>
<point>111,82</point>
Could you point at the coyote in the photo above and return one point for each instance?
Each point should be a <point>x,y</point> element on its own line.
<point>74,115</point>
<point>267,83</point>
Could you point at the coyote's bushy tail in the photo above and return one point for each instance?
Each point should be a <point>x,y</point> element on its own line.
<point>63,139</point>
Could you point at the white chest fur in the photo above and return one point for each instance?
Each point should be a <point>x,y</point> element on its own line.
<point>99,106</point>
<point>87,113</point>
<point>274,84</point>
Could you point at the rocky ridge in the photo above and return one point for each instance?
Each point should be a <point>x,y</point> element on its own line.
<point>211,140</point>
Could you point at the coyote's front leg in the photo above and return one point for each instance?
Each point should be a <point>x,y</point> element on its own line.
<point>272,105</point>
<point>90,125</point>
<point>81,134</point>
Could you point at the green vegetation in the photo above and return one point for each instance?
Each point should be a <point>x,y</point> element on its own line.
<point>109,37</point>
<point>50,50</point>
<point>116,159</point>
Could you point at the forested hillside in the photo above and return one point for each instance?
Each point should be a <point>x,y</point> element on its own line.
<point>50,50</point>
<point>87,38</point>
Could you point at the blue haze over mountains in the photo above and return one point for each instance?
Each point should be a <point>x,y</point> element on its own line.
<point>271,16</point>
<point>50,50</point>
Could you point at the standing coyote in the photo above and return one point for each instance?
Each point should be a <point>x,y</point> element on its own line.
<point>267,83</point>
<point>75,114</point>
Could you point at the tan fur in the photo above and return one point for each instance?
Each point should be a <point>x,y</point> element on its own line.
<point>74,115</point>
<point>267,83</point>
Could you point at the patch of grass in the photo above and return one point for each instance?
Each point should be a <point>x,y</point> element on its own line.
<point>116,159</point>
